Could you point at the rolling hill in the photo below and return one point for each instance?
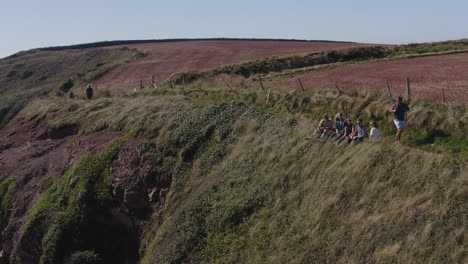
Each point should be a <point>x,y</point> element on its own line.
<point>215,169</point>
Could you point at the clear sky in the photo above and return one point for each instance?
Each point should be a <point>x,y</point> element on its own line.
<point>26,24</point>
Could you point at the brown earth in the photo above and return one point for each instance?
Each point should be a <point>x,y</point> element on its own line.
<point>30,152</point>
<point>137,182</point>
<point>427,74</point>
<point>167,58</point>
<point>34,153</point>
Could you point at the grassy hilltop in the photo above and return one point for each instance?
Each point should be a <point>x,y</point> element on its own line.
<point>204,173</point>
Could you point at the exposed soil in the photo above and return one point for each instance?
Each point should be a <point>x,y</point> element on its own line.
<point>43,151</point>
<point>30,152</point>
<point>170,57</point>
<point>137,182</point>
<point>427,76</point>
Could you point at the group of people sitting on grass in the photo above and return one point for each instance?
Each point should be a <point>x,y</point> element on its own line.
<point>343,129</point>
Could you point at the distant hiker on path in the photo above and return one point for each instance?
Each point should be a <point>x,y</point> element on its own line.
<point>399,109</point>
<point>89,92</point>
<point>71,95</point>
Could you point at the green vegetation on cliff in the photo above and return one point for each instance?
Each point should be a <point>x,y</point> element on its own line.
<point>248,187</point>
<point>74,214</point>
<point>246,184</point>
<point>6,189</point>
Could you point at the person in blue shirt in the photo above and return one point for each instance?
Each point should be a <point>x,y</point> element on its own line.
<point>339,126</point>
<point>399,109</point>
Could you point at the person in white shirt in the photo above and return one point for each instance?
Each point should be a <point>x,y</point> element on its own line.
<point>374,131</point>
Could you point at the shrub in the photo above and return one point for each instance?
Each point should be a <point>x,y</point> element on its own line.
<point>84,257</point>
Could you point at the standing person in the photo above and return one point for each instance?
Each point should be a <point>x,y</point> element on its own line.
<point>360,131</point>
<point>399,109</point>
<point>374,131</point>
<point>71,95</point>
<point>89,92</point>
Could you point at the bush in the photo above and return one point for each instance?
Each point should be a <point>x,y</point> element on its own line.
<point>84,257</point>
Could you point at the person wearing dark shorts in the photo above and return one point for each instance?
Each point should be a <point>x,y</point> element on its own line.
<point>399,109</point>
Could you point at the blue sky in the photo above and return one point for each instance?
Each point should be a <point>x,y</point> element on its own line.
<point>31,24</point>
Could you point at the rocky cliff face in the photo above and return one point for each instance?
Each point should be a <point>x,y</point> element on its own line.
<point>136,184</point>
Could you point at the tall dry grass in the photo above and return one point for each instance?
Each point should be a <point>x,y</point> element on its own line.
<point>249,188</point>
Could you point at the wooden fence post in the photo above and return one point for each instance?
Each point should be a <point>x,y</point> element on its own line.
<point>200,89</point>
<point>443,96</point>
<point>230,88</point>
<point>340,92</point>
<point>408,89</point>
<point>153,84</point>
<point>302,86</point>
<point>141,84</point>
<point>261,82</point>
<point>268,96</point>
<point>388,88</point>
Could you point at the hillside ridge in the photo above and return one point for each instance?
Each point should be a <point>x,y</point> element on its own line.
<point>110,43</point>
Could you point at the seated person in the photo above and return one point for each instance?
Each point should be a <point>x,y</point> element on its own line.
<point>360,131</point>
<point>348,131</point>
<point>374,131</point>
<point>339,126</point>
<point>325,125</point>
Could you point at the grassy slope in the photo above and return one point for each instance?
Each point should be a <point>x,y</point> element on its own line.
<point>6,189</point>
<point>275,198</point>
<point>432,126</point>
<point>248,188</point>
<point>38,73</point>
